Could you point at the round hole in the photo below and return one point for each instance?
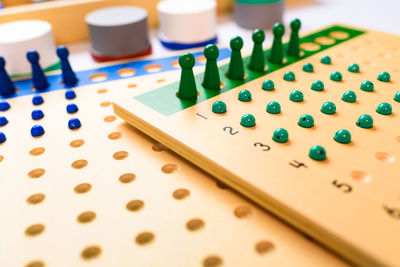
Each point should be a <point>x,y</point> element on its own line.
<point>169,168</point>
<point>91,252</point>
<point>127,178</point>
<point>181,193</point>
<point>158,147</point>
<point>212,261</point>
<point>126,72</point>
<point>110,118</point>
<point>120,155</point>
<point>310,46</point>
<point>242,212</point>
<point>398,138</point>
<point>325,40</point>
<point>201,59</point>
<point>161,80</point>
<point>36,173</point>
<point>35,263</point>
<point>35,198</point>
<point>385,55</point>
<point>369,62</point>
<point>194,224</point>
<point>133,85</point>
<point>385,157</point>
<point>1,158</point>
<point>135,205</point>
<point>115,135</point>
<point>82,188</point>
<point>86,217</point>
<point>79,164</point>
<point>105,104</point>
<point>102,91</point>
<point>77,143</point>
<point>37,151</point>
<point>263,247</point>
<point>360,176</point>
<point>34,229</point>
<point>396,70</point>
<point>152,68</point>
<point>98,77</point>
<point>175,64</point>
<point>339,35</point>
<point>144,238</point>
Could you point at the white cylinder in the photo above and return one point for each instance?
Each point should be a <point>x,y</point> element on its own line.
<point>187,21</point>
<point>18,37</point>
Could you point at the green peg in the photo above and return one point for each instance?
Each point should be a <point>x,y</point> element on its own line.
<point>294,42</point>
<point>296,96</point>
<point>289,76</point>
<point>211,78</point>
<point>354,68</point>
<point>342,136</point>
<point>328,108</point>
<point>268,85</point>
<point>219,107</point>
<point>317,153</point>
<point>236,67</point>
<point>273,107</point>
<point>397,97</point>
<point>326,60</point>
<point>384,109</point>
<point>308,67</point>
<point>384,77</point>
<point>187,85</point>
<point>349,97</point>
<point>280,135</point>
<point>336,76</point>
<point>367,86</point>
<point>244,96</point>
<point>317,86</point>
<point>248,120</point>
<point>306,121</point>
<point>276,53</point>
<point>257,61</point>
<point>365,121</point>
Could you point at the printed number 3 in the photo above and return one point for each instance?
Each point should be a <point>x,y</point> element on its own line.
<point>265,147</point>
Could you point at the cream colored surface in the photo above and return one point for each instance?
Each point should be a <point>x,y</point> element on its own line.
<point>356,224</point>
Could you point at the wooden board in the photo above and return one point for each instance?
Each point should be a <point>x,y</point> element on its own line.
<point>349,202</point>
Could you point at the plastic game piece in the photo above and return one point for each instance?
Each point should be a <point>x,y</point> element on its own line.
<point>3,137</point>
<point>244,96</point>
<point>273,107</point>
<point>384,109</point>
<point>211,78</point>
<point>72,108</point>
<point>187,85</point>
<point>365,121</point>
<point>68,75</point>
<point>296,96</point>
<point>38,77</point>
<point>37,130</point>
<point>326,60</point>
<point>280,135</point>
<point>328,108</point>
<point>294,42</point>
<point>37,114</point>
<point>336,76</point>
<point>268,85</point>
<point>70,94</point>
<point>236,67</point>
<point>3,121</point>
<point>118,32</point>
<point>37,100</point>
<point>261,14</point>
<point>342,136</point>
<point>397,97</point>
<point>74,123</point>
<point>4,106</point>
<point>248,120</point>
<point>219,107</point>
<point>317,153</point>
<point>6,85</point>
<point>367,86</point>
<point>257,61</point>
<point>317,85</point>
<point>349,96</point>
<point>354,68</point>
<point>384,76</point>
<point>289,76</point>
<point>276,54</point>
<point>306,121</point>
<point>308,67</point>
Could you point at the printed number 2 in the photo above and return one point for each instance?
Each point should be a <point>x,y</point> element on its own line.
<point>230,130</point>
<point>265,147</point>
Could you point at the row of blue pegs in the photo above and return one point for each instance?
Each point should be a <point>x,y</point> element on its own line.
<point>39,79</point>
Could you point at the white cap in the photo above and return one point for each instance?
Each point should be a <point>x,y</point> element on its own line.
<point>187,21</point>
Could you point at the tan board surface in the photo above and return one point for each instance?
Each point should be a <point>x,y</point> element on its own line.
<point>362,224</point>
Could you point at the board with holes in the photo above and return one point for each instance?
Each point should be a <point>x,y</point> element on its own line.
<point>107,195</point>
<point>349,200</point>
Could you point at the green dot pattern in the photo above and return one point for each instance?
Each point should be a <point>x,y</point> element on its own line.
<point>365,121</point>
<point>219,107</point>
<point>384,109</point>
<point>384,76</point>
<point>306,121</point>
<point>289,76</point>
<point>397,97</point>
<point>244,96</point>
<point>326,60</point>
<point>328,108</point>
<point>268,85</point>
<point>336,76</point>
<point>317,153</point>
<point>367,86</point>
<point>317,86</point>
<point>354,68</point>
<point>296,96</point>
<point>273,107</point>
<point>342,136</point>
<point>308,67</point>
<point>349,97</point>
<point>248,121</point>
<point>280,135</point>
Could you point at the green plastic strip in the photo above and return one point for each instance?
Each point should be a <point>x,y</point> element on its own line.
<point>165,101</point>
<point>53,67</point>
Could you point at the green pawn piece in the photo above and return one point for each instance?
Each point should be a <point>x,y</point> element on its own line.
<point>384,77</point>
<point>273,107</point>
<point>349,97</point>
<point>384,109</point>
<point>289,76</point>
<point>257,61</point>
<point>342,136</point>
<point>326,60</point>
<point>296,96</point>
<point>187,85</point>
<point>367,86</point>
<point>308,67</point>
<point>236,67</point>
<point>365,121</point>
<point>317,85</point>
<point>354,68</point>
<point>294,42</point>
<point>328,108</point>
<point>306,121</point>
<point>268,85</point>
<point>397,97</point>
<point>317,153</point>
<point>219,107</point>
<point>280,135</point>
<point>336,76</point>
<point>244,96</point>
<point>276,53</point>
<point>248,120</point>
<point>211,78</point>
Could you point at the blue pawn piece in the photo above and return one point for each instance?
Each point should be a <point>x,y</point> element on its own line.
<point>39,79</point>
<point>3,121</point>
<point>74,124</point>
<point>4,106</point>
<point>70,94</point>
<point>37,114</point>
<point>6,85</point>
<point>68,75</point>
<point>37,100</point>
<point>3,137</point>
<point>72,108</point>
<point>37,131</point>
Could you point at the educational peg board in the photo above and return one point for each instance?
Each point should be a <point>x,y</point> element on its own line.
<point>351,200</point>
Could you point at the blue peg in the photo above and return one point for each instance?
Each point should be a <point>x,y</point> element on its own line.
<point>68,75</point>
<point>6,85</point>
<point>38,77</point>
